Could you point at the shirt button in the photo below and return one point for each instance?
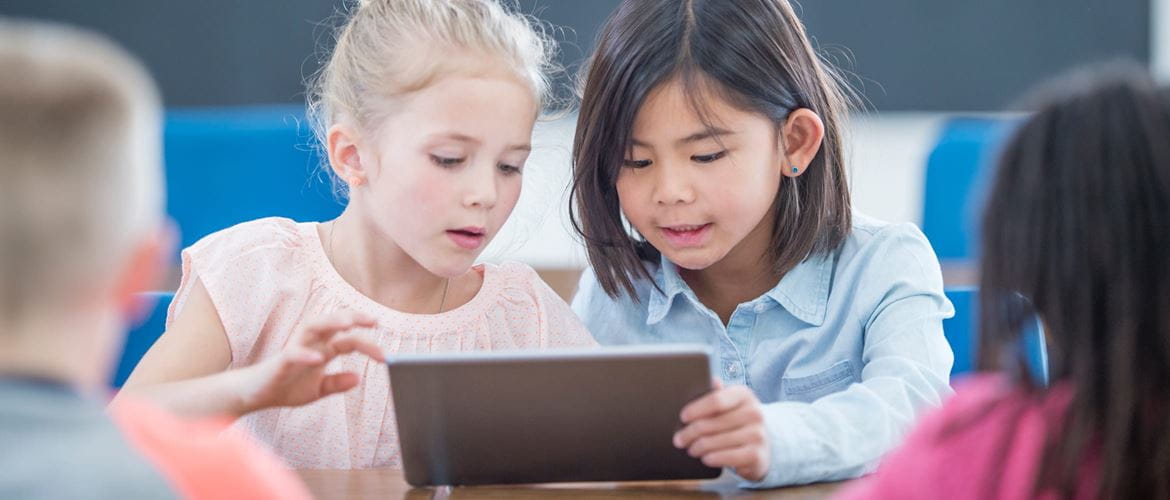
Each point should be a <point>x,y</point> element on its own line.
<point>733,369</point>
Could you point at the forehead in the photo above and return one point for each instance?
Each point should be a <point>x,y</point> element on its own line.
<point>674,111</point>
<point>487,108</point>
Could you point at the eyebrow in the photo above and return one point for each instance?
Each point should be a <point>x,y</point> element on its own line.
<point>467,138</point>
<point>709,133</point>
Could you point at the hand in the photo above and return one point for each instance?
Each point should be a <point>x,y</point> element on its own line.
<point>725,428</point>
<point>297,376</point>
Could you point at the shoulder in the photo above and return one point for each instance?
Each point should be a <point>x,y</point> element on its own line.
<point>880,262</point>
<point>246,268</point>
<point>873,239</point>
<point>272,234</point>
<point>607,317</point>
<point>200,459</point>
<point>271,253</point>
<point>514,281</point>
<point>589,289</point>
<point>988,435</point>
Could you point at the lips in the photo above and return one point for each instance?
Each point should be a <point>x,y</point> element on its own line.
<point>468,238</point>
<point>683,236</point>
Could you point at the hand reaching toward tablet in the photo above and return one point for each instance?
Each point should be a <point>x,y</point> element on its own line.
<point>725,428</point>
<point>297,376</point>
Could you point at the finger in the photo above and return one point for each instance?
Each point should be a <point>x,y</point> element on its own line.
<point>714,403</point>
<point>303,356</point>
<point>716,384</point>
<point>742,416</point>
<point>734,438</point>
<point>332,324</point>
<point>339,382</point>
<point>349,343</point>
<point>748,460</point>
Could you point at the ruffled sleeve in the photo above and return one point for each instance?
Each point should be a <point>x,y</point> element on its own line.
<point>252,272</point>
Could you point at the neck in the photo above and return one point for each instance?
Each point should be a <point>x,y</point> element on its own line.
<point>77,350</point>
<point>746,272</point>
<point>379,268</point>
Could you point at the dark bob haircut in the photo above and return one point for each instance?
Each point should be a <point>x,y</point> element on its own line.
<point>752,53</point>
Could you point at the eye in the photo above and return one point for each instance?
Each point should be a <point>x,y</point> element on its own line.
<point>709,158</point>
<point>443,161</point>
<point>509,169</point>
<point>637,163</point>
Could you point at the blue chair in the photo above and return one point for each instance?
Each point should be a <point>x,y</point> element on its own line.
<point>143,334</point>
<point>229,165</point>
<point>961,333</point>
<point>956,172</point>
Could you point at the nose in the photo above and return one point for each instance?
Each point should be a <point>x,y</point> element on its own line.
<point>480,187</point>
<point>672,186</point>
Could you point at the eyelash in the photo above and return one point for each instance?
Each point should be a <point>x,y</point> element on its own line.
<point>454,162</point>
<point>709,158</point>
<point>697,159</point>
<point>446,162</point>
<point>637,163</point>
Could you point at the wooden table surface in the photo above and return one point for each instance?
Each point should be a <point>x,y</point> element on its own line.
<point>385,484</point>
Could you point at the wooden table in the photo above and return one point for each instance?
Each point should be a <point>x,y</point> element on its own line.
<point>386,484</point>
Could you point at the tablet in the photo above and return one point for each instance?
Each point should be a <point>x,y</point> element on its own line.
<point>603,414</point>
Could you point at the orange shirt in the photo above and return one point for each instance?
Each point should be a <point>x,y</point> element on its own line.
<point>200,460</point>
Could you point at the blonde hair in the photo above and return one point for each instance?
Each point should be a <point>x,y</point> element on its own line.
<point>387,49</point>
<point>80,181</point>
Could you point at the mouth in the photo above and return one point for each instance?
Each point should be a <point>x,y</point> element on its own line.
<point>683,236</point>
<point>468,238</point>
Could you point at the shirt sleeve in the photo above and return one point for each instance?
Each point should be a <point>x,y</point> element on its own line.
<point>906,367</point>
<point>200,460</point>
<point>250,272</point>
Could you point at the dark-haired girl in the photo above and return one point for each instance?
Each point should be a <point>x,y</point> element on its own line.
<point>712,196</point>
<point>1076,232</point>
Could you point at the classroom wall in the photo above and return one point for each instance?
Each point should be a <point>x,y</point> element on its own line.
<point>916,63</point>
<point>904,55</point>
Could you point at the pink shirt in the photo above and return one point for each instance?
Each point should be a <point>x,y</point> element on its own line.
<point>985,442</point>
<point>267,277</point>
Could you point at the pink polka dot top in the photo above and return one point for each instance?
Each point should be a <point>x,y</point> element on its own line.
<point>266,277</point>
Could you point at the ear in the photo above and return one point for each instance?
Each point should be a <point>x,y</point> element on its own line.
<point>144,269</point>
<point>344,155</point>
<point>801,138</point>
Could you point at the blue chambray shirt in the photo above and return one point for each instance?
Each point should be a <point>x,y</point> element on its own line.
<point>844,352</point>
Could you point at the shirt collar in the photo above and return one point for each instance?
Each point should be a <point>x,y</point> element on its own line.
<point>803,292</point>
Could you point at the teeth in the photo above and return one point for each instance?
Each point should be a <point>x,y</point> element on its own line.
<point>683,229</point>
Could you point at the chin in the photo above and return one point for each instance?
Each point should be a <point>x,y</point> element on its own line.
<point>690,260</point>
<point>451,269</point>
<point>445,264</point>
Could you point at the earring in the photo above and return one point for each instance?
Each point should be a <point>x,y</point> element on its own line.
<point>795,169</point>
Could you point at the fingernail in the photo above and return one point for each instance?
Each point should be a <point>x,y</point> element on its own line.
<point>677,440</point>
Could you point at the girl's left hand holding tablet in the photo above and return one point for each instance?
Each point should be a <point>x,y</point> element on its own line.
<point>725,428</point>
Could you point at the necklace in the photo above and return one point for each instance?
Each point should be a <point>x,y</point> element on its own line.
<point>446,282</point>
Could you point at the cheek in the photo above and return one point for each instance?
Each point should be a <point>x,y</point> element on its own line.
<point>509,191</point>
<point>426,189</point>
<point>744,194</point>
<point>630,190</point>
